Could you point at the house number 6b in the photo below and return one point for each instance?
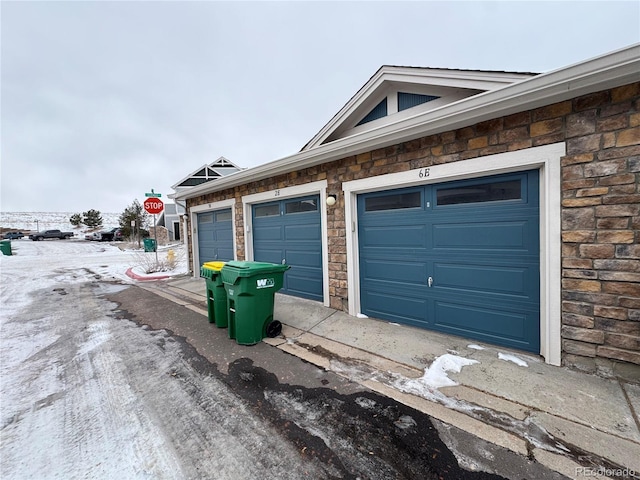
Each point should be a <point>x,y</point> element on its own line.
<point>423,173</point>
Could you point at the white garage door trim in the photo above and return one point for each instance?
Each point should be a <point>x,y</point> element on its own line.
<point>193,220</point>
<point>545,158</point>
<point>313,188</point>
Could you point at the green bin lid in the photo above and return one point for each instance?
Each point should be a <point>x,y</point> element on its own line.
<point>249,269</point>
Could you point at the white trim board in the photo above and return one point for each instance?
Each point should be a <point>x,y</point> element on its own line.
<point>313,188</point>
<point>547,160</point>
<point>193,218</point>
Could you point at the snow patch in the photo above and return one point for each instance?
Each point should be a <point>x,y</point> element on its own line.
<point>436,375</point>
<point>473,346</point>
<point>512,358</point>
<point>361,315</point>
<point>366,403</point>
<point>405,422</point>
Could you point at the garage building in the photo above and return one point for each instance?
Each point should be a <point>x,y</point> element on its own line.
<point>501,207</point>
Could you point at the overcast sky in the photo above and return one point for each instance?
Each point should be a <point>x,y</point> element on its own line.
<point>102,101</point>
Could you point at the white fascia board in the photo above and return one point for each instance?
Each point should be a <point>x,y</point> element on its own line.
<point>472,82</point>
<point>608,71</point>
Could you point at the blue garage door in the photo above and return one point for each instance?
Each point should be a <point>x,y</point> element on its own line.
<point>215,236</point>
<point>459,257</point>
<point>289,231</point>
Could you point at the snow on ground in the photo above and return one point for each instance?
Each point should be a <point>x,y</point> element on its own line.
<point>27,348</point>
<point>436,375</point>
<point>507,357</point>
<point>21,276</point>
<point>38,221</point>
<point>85,394</point>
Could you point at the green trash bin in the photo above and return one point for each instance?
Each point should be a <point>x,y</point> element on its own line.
<point>251,288</point>
<point>5,247</point>
<point>149,244</point>
<point>216,294</point>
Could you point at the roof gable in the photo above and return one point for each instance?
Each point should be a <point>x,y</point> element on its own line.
<point>216,169</point>
<point>395,93</point>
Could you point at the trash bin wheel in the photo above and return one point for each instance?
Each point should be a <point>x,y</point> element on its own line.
<point>274,329</point>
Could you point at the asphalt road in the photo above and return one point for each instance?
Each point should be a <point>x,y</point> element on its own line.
<point>342,429</point>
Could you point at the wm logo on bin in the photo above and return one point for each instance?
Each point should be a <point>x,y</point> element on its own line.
<point>265,283</point>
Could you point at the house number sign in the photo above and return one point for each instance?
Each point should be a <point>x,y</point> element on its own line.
<point>423,173</point>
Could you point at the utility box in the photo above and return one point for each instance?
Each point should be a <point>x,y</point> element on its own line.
<point>5,247</point>
<point>251,288</point>
<point>149,245</point>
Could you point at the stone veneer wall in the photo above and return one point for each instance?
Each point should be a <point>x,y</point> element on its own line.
<point>600,210</point>
<point>162,235</point>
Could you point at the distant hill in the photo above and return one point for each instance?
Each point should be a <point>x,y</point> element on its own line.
<point>34,221</point>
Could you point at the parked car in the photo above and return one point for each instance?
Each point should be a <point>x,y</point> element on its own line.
<point>95,236</point>
<point>111,235</point>
<point>13,235</point>
<point>51,234</point>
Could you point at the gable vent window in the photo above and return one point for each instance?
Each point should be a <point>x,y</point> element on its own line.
<point>379,111</point>
<point>408,100</point>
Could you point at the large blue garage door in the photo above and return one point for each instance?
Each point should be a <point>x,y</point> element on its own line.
<point>215,236</point>
<point>459,257</point>
<point>289,231</point>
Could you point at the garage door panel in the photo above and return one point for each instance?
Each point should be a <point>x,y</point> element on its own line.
<point>303,258</point>
<point>395,271</point>
<point>411,236</point>
<point>400,308</point>
<point>225,253</point>
<point>267,233</point>
<point>479,246</point>
<point>489,235</point>
<point>305,231</point>
<point>224,236</point>
<point>303,282</point>
<point>273,255</point>
<point>492,325</point>
<point>488,279</point>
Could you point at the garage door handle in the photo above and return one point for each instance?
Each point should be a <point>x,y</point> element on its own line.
<point>430,281</point>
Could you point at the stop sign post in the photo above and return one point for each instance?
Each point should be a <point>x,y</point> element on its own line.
<point>154,205</point>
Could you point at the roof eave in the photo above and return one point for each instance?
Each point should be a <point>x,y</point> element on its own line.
<point>471,79</point>
<point>607,71</point>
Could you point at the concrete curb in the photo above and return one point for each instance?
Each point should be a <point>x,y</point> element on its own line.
<point>130,273</point>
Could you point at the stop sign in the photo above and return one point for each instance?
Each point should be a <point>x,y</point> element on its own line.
<point>153,205</point>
